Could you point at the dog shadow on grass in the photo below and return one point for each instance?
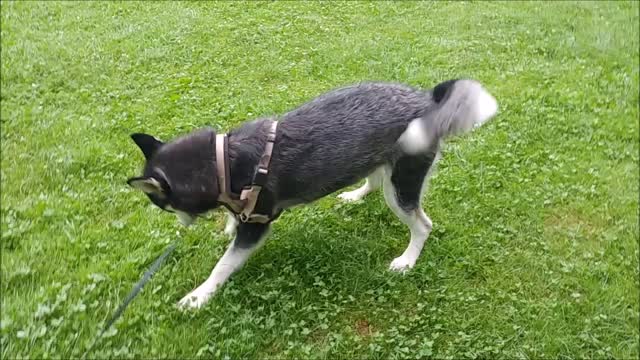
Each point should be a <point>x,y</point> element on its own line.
<point>318,253</point>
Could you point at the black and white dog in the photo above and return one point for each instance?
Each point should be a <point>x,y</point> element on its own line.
<point>388,133</point>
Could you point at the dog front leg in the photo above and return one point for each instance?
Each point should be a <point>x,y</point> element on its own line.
<point>248,239</point>
<point>231,225</point>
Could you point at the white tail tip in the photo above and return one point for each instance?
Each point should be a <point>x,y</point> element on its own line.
<point>485,106</point>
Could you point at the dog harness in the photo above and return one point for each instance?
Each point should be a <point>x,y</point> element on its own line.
<point>244,204</point>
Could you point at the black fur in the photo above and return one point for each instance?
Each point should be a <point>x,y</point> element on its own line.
<point>323,146</point>
<point>187,168</point>
<point>407,177</point>
<point>442,89</point>
<point>249,234</point>
<point>147,143</point>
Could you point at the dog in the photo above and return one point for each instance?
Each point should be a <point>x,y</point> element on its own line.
<point>388,133</point>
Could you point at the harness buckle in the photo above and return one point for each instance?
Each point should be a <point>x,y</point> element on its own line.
<point>260,177</point>
<point>244,217</point>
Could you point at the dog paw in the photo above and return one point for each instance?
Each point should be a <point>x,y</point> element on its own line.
<point>351,196</point>
<point>401,264</point>
<point>194,300</point>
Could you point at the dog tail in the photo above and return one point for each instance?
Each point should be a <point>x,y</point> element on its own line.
<point>458,107</point>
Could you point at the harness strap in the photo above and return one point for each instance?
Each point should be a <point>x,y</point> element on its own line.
<point>259,180</point>
<point>224,179</point>
<point>244,206</point>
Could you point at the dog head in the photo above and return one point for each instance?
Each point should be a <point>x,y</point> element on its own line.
<point>179,176</point>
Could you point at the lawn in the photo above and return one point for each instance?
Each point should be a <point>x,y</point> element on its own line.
<point>534,251</point>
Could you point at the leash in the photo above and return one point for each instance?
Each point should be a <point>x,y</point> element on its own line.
<point>132,294</point>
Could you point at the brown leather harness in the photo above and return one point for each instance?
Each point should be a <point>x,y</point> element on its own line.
<point>244,205</point>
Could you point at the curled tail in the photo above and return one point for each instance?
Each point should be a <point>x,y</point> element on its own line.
<point>458,107</point>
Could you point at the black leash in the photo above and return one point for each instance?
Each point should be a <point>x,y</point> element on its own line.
<point>136,289</point>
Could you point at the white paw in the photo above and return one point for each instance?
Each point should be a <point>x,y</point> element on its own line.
<point>194,300</point>
<point>401,264</point>
<point>351,196</point>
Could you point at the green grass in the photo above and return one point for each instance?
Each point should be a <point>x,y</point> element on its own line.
<point>534,251</point>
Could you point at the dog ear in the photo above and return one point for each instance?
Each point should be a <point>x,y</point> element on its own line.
<point>147,143</point>
<point>147,185</point>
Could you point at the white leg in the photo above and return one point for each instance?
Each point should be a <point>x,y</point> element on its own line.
<point>232,260</point>
<point>419,225</point>
<point>372,183</point>
<point>231,225</point>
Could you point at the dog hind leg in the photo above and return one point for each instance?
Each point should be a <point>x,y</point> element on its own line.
<point>373,182</point>
<point>403,187</point>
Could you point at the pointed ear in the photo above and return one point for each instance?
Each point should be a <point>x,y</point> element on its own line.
<point>147,185</point>
<point>147,143</point>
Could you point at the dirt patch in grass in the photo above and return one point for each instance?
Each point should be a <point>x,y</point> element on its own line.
<point>364,328</point>
<point>570,221</point>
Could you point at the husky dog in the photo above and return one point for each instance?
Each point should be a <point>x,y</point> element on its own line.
<point>389,134</point>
